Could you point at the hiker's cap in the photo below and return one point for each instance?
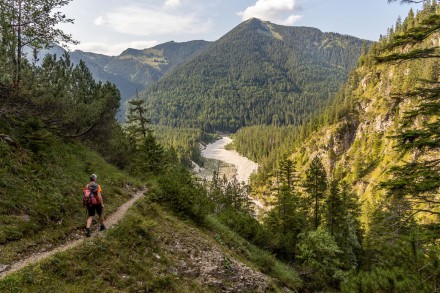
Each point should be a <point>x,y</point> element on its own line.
<point>93,177</point>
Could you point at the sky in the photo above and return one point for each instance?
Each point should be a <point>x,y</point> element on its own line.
<point>111,26</point>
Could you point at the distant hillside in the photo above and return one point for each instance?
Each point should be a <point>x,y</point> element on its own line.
<point>259,73</point>
<point>133,70</point>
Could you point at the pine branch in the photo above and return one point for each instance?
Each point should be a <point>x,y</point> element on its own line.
<point>429,212</point>
<point>427,137</point>
<point>413,55</point>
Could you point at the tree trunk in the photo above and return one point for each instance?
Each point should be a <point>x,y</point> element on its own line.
<point>316,203</point>
<point>19,42</point>
<point>316,211</point>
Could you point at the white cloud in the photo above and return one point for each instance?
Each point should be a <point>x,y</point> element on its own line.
<point>291,19</point>
<point>112,49</point>
<point>172,3</point>
<point>99,21</point>
<point>149,21</point>
<point>273,10</point>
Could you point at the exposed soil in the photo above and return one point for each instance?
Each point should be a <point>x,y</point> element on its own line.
<point>196,256</point>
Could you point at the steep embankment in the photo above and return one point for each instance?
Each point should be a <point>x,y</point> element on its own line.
<point>360,146</point>
<point>71,241</point>
<point>148,250</point>
<point>42,221</point>
<point>41,216</point>
<point>41,185</point>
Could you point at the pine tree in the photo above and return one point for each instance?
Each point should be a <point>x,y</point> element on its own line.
<point>349,233</point>
<point>287,173</point>
<point>316,186</point>
<point>136,118</point>
<point>152,154</point>
<point>147,157</point>
<point>68,99</point>
<point>334,210</point>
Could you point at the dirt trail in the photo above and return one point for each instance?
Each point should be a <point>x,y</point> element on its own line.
<point>110,221</point>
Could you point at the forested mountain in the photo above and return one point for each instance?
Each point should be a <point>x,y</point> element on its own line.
<point>258,73</point>
<point>133,70</point>
<point>380,137</point>
<point>355,135</point>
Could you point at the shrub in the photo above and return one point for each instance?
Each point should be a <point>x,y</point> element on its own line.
<point>180,192</point>
<point>247,227</point>
<point>317,253</point>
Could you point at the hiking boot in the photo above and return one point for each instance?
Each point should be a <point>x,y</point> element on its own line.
<point>88,232</point>
<point>102,228</point>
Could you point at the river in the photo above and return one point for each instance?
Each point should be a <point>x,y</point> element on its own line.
<point>243,165</point>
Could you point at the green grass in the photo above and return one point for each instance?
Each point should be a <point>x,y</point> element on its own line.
<point>41,193</point>
<point>134,256</point>
<point>41,183</point>
<point>285,275</point>
<point>125,259</point>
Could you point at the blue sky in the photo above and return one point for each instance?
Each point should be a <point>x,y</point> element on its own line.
<point>110,26</point>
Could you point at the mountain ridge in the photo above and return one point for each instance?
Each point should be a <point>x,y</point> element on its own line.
<point>134,69</point>
<point>255,65</point>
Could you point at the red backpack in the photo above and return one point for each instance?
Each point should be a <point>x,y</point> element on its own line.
<point>90,196</point>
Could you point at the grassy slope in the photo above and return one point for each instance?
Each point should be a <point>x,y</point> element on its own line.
<point>150,250</point>
<point>40,207</point>
<point>41,192</point>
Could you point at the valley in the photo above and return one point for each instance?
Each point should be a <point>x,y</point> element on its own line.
<point>229,163</point>
<point>273,158</point>
<point>243,166</point>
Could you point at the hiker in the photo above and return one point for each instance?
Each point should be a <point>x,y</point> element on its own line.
<point>93,202</point>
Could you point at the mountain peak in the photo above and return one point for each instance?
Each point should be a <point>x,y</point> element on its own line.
<point>254,22</point>
<point>254,19</point>
<point>256,25</point>
<point>131,52</point>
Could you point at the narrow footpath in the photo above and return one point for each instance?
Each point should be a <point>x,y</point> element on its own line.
<point>110,221</point>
